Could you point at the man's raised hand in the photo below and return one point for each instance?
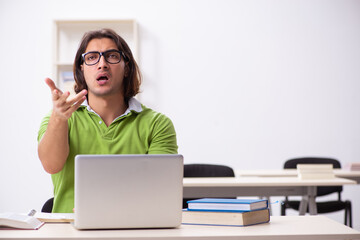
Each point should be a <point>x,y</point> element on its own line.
<point>63,107</point>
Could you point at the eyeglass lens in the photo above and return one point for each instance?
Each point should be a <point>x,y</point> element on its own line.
<point>112,57</point>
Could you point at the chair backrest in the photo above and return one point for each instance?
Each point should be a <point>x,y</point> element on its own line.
<point>321,191</point>
<point>207,170</point>
<point>48,205</point>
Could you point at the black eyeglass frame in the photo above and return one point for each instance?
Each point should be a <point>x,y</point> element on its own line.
<point>102,54</point>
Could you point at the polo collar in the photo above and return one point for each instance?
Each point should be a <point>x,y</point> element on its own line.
<point>134,105</point>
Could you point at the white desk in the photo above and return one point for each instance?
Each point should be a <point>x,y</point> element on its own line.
<point>259,186</point>
<point>279,228</point>
<point>341,173</point>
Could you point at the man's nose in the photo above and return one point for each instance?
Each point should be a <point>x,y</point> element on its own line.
<point>102,63</point>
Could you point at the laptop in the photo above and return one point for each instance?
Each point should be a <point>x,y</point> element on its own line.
<point>128,191</point>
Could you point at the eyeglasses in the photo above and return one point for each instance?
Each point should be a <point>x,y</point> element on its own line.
<point>110,56</point>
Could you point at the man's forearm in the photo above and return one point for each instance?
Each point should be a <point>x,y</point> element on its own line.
<point>53,148</point>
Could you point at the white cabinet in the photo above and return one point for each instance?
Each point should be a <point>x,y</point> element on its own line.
<point>67,37</point>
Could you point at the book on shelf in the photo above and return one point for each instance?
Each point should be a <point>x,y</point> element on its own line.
<point>226,218</point>
<point>315,171</point>
<point>67,76</point>
<point>220,204</point>
<point>19,221</point>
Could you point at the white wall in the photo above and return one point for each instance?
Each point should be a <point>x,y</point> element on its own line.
<point>247,83</point>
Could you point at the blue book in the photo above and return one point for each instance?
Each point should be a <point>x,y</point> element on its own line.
<point>225,204</point>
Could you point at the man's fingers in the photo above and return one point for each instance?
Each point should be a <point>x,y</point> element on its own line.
<point>65,106</point>
<point>52,85</point>
<point>55,95</point>
<point>76,105</point>
<point>78,97</point>
<point>64,96</point>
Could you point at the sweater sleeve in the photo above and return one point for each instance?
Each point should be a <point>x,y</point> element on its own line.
<point>163,140</point>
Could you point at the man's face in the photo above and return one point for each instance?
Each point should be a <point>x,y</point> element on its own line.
<point>103,79</point>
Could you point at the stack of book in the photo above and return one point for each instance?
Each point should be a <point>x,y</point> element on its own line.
<point>355,166</point>
<point>226,212</point>
<point>315,171</point>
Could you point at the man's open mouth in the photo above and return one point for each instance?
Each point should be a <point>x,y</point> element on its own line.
<point>102,77</point>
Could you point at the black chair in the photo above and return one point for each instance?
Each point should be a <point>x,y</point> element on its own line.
<point>326,206</point>
<point>206,170</point>
<point>48,205</point>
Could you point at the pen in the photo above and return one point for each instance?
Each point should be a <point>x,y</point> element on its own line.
<point>32,212</point>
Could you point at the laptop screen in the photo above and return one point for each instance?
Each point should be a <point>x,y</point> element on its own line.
<point>128,191</point>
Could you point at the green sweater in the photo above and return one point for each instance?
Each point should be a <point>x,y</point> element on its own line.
<point>142,132</point>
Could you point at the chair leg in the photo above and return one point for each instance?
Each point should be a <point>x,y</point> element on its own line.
<point>270,208</point>
<point>350,215</point>
<point>346,216</point>
<point>283,209</point>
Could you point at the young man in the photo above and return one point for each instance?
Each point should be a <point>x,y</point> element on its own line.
<point>103,117</point>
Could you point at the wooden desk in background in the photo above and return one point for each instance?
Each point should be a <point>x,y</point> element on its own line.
<point>279,228</point>
<point>260,186</point>
<point>341,173</point>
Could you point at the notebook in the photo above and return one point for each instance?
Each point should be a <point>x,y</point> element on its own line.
<point>128,191</point>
